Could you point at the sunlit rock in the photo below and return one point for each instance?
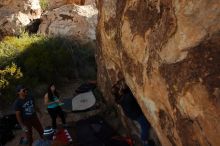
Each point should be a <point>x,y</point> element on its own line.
<point>73,21</point>
<point>169,54</point>
<point>15,14</point>
<point>58,3</point>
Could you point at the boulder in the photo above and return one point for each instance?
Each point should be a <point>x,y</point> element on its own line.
<point>73,21</point>
<point>16,14</point>
<point>52,4</point>
<point>168,52</point>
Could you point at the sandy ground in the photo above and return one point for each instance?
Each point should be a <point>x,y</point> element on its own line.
<point>110,114</point>
<point>67,91</point>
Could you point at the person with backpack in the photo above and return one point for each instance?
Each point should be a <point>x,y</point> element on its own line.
<point>125,98</point>
<point>54,104</point>
<point>26,116</point>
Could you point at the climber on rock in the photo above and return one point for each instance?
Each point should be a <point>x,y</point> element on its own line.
<point>125,98</point>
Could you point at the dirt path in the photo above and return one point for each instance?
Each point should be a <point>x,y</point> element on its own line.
<point>66,91</point>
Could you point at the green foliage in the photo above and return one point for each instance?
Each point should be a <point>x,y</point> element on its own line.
<point>9,74</point>
<point>44,4</point>
<point>11,47</point>
<point>45,60</point>
<point>41,60</point>
<point>84,62</point>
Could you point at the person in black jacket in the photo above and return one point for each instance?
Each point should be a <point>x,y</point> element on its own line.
<point>125,98</point>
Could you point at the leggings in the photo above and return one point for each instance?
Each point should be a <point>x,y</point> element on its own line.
<point>54,112</point>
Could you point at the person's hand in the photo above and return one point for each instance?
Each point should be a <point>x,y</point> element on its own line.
<point>61,104</point>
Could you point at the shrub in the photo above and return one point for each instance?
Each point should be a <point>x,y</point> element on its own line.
<point>11,47</point>
<point>44,4</point>
<point>8,77</point>
<point>9,74</point>
<point>41,60</point>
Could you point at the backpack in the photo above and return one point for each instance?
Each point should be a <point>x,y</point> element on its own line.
<point>93,131</point>
<point>85,87</point>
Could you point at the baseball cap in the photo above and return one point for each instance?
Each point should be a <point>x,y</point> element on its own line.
<point>19,87</point>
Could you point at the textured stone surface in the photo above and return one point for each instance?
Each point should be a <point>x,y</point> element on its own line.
<point>90,2</point>
<point>168,51</point>
<point>58,3</point>
<point>16,14</point>
<point>77,22</point>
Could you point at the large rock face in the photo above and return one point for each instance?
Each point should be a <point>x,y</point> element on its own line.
<point>77,22</point>
<point>168,51</point>
<point>14,14</point>
<point>52,4</point>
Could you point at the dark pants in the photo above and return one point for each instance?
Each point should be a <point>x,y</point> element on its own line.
<point>54,112</point>
<point>145,127</point>
<point>33,122</point>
